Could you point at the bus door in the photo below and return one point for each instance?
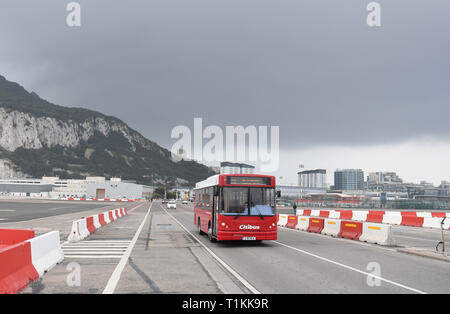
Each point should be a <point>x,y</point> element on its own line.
<point>215,210</point>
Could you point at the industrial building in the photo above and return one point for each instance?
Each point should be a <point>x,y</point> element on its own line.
<point>25,188</point>
<point>235,168</point>
<point>314,179</point>
<point>348,179</point>
<point>116,188</point>
<point>90,187</point>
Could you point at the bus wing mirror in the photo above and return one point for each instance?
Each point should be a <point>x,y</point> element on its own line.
<point>278,194</point>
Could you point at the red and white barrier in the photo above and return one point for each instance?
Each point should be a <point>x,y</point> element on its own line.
<point>25,261</point>
<point>292,221</point>
<point>392,218</point>
<point>331,227</point>
<point>46,252</point>
<point>100,199</point>
<point>403,218</point>
<point>84,227</point>
<point>350,229</point>
<point>282,220</point>
<point>377,233</point>
<point>302,223</point>
<point>370,232</point>
<point>315,225</point>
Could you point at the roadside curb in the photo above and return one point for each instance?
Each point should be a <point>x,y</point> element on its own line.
<point>424,253</point>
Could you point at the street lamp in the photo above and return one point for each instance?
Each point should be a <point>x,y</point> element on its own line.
<point>301,180</point>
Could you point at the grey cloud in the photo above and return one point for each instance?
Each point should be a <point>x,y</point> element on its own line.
<point>312,67</point>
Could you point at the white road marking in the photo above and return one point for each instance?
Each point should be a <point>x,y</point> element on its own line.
<point>227,267</point>
<point>7,210</point>
<point>115,277</point>
<point>92,256</point>
<point>98,249</point>
<point>351,268</point>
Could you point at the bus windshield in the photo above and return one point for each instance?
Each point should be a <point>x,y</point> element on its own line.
<point>236,201</point>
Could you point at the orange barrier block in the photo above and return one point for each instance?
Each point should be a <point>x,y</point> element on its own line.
<point>292,222</point>
<point>315,225</point>
<point>375,216</point>
<point>351,230</point>
<point>16,269</point>
<point>13,236</point>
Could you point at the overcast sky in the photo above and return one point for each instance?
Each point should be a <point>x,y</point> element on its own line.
<point>343,94</point>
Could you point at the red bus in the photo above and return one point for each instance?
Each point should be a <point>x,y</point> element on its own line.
<point>236,207</point>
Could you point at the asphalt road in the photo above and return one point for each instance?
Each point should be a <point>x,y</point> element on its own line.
<point>301,262</point>
<point>23,210</point>
<point>405,236</point>
<point>156,250</point>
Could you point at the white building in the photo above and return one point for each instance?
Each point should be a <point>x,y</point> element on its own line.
<point>73,187</point>
<point>235,168</point>
<point>313,179</point>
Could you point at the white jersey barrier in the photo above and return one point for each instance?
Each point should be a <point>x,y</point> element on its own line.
<point>79,231</point>
<point>392,218</point>
<point>302,223</point>
<point>46,252</point>
<point>360,215</point>
<point>282,220</point>
<point>334,214</point>
<point>331,227</point>
<point>377,233</point>
<point>84,227</point>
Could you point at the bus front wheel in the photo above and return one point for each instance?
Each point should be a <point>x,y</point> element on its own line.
<point>199,228</point>
<point>210,235</point>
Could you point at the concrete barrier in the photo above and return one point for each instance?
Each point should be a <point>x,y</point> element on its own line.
<point>292,221</point>
<point>282,220</point>
<point>334,214</point>
<point>46,252</point>
<point>13,236</point>
<point>377,233</point>
<point>432,222</point>
<point>350,230</point>
<point>28,260</point>
<point>392,218</point>
<point>16,269</point>
<point>405,218</point>
<point>375,216</point>
<point>359,215</point>
<point>79,231</point>
<point>411,219</point>
<point>315,225</point>
<point>302,223</point>
<point>345,214</point>
<point>82,228</point>
<point>331,227</point>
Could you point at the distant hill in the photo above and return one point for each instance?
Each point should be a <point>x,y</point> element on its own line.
<point>39,138</point>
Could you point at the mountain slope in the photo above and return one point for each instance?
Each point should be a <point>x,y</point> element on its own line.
<point>39,138</point>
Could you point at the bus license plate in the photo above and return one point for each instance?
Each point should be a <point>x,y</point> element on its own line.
<point>248,238</point>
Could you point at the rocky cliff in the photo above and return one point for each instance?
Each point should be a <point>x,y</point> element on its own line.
<point>39,138</point>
